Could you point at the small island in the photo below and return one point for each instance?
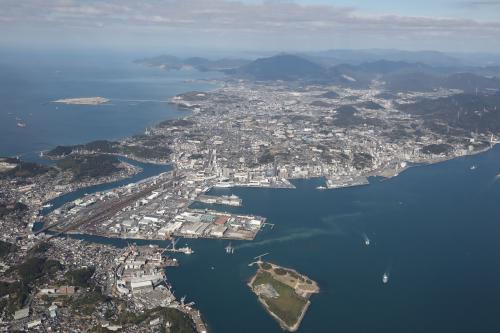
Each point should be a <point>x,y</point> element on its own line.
<point>83,101</point>
<point>284,293</point>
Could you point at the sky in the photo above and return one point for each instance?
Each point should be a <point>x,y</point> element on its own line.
<point>266,25</point>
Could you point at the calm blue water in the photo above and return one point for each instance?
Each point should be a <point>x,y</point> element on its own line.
<point>29,82</point>
<point>435,229</point>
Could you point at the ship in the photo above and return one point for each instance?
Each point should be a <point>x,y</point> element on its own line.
<point>224,184</point>
<point>21,124</point>
<point>366,240</point>
<point>47,205</point>
<point>185,250</point>
<point>321,188</point>
<point>229,249</point>
<point>473,167</point>
<point>385,278</point>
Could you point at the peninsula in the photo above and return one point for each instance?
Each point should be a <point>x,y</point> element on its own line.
<point>284,293</point>
<point>82,101</point>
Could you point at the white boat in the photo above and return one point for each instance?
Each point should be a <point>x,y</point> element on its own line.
<point>21,124</point>
<point>385,278</point>
<point>47,205</point>
<point>229,249</point>
<point>473,167</point>
<point>321,188</point>
<point>186,250</point>
<point>366,240</point>
<point>224,184</point>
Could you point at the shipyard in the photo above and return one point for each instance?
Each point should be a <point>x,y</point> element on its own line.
<point>157,210</point>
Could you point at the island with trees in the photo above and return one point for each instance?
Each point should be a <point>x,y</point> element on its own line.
<point>284,293</point>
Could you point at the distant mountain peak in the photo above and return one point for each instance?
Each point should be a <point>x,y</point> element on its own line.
<point>284,67</point>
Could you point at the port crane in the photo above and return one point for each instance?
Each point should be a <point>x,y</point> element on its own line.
<point>258,258</point>
<point>173,243</point>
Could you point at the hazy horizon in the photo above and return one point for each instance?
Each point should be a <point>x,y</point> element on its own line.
<point>267,26</point>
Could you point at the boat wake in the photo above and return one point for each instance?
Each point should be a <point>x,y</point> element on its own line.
<point>295,235</point>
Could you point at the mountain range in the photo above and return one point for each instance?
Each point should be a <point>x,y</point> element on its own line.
<point>395,76</point>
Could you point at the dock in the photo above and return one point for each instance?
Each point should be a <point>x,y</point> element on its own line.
<point>228,200</point>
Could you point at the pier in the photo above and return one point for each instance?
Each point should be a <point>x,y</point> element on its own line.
<point>228,200</point>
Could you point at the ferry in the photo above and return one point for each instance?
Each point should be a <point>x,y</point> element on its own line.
<point>385,278</point>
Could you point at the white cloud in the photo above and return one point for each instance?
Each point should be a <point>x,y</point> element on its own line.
<point>279,19</point>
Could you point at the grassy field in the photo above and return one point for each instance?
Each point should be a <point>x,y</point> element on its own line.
<point>288,306</point>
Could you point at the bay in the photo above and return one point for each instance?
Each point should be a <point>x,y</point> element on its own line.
<point>434,229</point>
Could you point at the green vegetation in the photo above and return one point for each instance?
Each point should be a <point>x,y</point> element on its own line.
<point>266,266</point>
<point>160,152</point>
<point>180,322</point>
<point>86,303</point>
<point>321,104</point>
<point>60,151</point>
<point>25,170</point>
<point>149,148</point>
<point>34,268</point>
<point>437,149</point>
<point>17,208</point>
<point>17,293</point>
<point>371,105</point>
<point>98,146</point>
<point>288,306</point>
<point>266,157</point>
<point>362,160</point>
<point>89,166</point>
<point>329,95</point>
<point>80,277</point>
<point>39,249</point>
<point>6,248</point>
<point>280,271</point>
<point>468,112</point>
<point>30,270</point>
<point>176,123</point>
